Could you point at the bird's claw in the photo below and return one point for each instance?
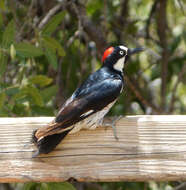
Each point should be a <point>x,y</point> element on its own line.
<point>113,125</point>
<point>36,153</point>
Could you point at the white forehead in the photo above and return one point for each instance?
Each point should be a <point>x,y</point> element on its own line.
<point>124,48</point>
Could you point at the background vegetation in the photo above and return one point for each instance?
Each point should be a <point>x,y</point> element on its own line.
<point>47,48</point>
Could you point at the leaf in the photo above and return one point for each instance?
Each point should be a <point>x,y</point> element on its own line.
<point>12,52</point>
<point>12,90</point>
<point>29,186</point>
<point>29,92</point>
<point>8,35</point>
<point>175,43</point>
<point>94,6</point>
<point>184,36</point>
<point>54,44</point>
<point>35,95</point>
<point>41,80</point>
<point>3,63</point>
<point>61,186</point>
<point>51,26</point>
<point>19,95</point>
<point>49,93</point>
<point>50,55</point>
<point>2,99</point>
<point>3,5</point>
<point>44,186</point>
<point>27,50</point>
<point>45,110</point>
<point>7,39</point>
<point>1,24</point>
<point>20,109</point>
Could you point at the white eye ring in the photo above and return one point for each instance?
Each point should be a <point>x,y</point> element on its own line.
<point>121,52</point>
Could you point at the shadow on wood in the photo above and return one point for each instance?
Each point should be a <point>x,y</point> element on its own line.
<point>149,148</point>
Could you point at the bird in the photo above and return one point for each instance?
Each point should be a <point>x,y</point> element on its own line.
<point>89,103</point>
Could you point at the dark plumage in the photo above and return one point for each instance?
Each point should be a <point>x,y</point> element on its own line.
<point>88,104</point>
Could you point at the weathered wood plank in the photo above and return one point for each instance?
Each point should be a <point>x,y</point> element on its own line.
<point>149,148</point>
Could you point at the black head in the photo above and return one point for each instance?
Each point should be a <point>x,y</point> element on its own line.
<point>116,57</point>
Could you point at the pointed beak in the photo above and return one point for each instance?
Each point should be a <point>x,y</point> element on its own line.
<point>135,50</point>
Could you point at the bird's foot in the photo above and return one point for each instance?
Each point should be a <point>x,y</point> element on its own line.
<point>28,145</point>
<point>35,154</point>
<point>113,125</point>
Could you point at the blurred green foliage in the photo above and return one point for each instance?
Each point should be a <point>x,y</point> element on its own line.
<point>43,59</point>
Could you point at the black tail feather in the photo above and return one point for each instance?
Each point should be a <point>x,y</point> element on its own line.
<point>48,143</point>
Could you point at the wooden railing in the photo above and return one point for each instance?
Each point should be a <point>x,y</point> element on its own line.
<point>149,148</point>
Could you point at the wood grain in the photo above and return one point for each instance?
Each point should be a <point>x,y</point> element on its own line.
<point>149,148</point>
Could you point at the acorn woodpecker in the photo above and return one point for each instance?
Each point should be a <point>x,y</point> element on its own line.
<point>89,103</point>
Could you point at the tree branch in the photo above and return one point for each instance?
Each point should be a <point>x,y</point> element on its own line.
<point>138,94</point>
<point>152,11</point>
<point>181,186</point>
<point>162,29</point>
<point>181,7</point>
<point>94,32</point>
<point>27,22</point>
<point>52,12</point>
<point>173,98</point>
<point>96,35</point>
<point>120,22</point>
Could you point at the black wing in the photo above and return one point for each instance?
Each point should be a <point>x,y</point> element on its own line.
<point>93,98</point>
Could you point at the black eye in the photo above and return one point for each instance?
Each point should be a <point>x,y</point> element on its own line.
<point>121,52</point>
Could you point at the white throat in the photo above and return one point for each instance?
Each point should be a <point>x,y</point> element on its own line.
<point>119,65</point>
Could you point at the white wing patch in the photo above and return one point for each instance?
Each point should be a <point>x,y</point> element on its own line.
<point>92,121</point>
<point>87,113</point>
